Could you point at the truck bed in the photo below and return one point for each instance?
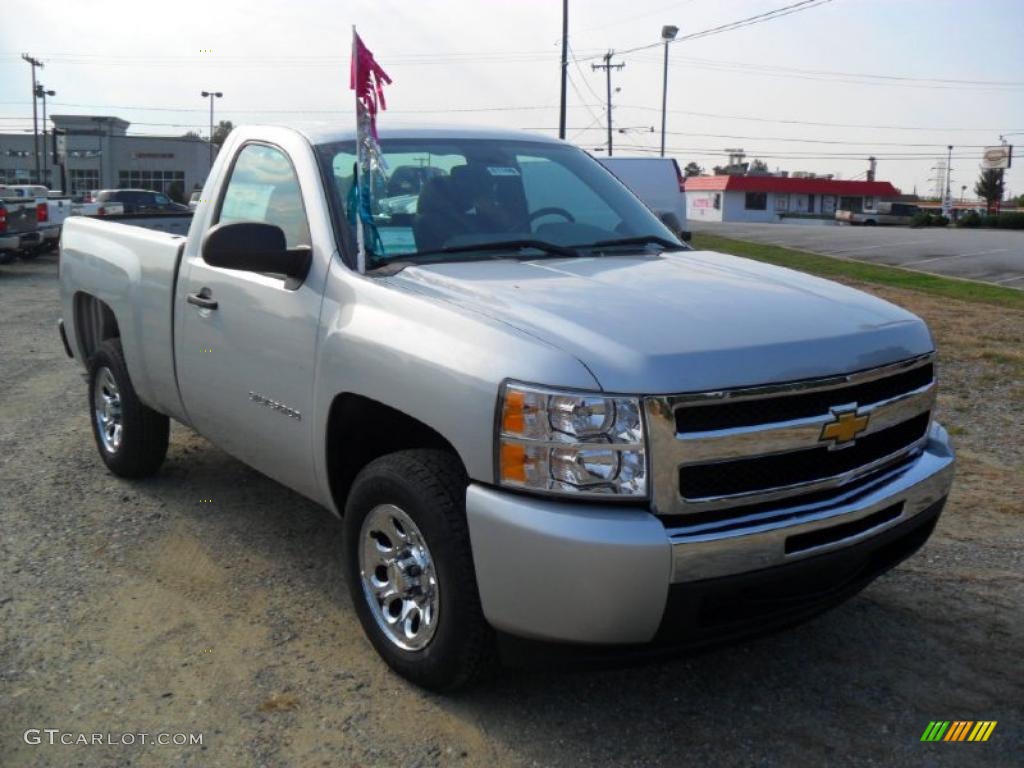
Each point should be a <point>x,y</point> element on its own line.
<point>131,264</point>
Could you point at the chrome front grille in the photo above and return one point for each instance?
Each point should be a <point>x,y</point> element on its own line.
<point>731,449</point>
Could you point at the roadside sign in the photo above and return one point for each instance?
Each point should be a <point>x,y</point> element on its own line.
<point>995,158</point>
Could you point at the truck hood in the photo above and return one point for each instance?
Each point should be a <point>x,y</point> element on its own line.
<point>681,322</point>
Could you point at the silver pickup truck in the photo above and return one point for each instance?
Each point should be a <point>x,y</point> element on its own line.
<point>546,422</point>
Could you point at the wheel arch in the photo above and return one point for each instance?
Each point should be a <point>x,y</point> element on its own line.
<point>95,322</point>
<point>361,429</point>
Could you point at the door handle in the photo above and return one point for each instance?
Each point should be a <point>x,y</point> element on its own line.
<point>202,299</point>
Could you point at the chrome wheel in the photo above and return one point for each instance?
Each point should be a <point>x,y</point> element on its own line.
<point>107,410</point>
<point>398,577</point>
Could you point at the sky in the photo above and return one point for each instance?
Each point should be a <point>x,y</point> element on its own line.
<point>819,89</point>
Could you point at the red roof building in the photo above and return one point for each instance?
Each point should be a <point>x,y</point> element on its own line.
<point>774,198</point>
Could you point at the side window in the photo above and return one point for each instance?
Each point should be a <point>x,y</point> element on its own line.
<point>263,187</point>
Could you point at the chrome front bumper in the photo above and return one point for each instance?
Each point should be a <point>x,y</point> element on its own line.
<point>591,573</point>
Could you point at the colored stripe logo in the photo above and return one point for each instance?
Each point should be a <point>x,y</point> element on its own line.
<point>958,730</point>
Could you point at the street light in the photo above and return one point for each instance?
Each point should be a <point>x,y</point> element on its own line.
<point>42,93</point>
<point>211,95</point>
<point>668,34</point>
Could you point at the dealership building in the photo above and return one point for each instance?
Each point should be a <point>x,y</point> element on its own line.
<point>768,198</point>
<point>96,152</point>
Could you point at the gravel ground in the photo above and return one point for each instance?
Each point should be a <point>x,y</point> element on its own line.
<point>140,607</point>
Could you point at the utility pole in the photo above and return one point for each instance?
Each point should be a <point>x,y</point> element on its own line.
<point>35,120</point>
<point>608,67</point>
<point>668,34</point>
<point>565,66</point>
<point>42,93</point>
<point>211,95</point>
<point>947,199</point>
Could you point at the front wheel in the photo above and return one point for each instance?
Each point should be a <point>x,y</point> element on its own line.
<point>131,437</point>
<point>410,570</point>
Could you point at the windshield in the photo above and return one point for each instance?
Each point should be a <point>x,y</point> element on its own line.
<point>464,197</point>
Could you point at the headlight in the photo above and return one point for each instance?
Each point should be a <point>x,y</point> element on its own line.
<point>571,443</point>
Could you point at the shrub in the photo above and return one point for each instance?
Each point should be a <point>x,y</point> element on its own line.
<point>990,220</point>
<point>921,219</point>
<point>938,220</point>
<point>970,219</point>
<point>1010,220</point>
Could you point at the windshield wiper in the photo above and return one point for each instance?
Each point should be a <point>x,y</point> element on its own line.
<point>640,240</point>
<point>549,249</point>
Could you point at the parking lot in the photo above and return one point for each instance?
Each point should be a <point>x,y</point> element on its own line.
<point>993,256</point>
<point>210,600</point>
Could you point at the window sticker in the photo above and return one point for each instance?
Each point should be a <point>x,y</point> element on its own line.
<point>497,170</point>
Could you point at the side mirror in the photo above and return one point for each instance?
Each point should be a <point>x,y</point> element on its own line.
<point>254,246</point>
<point>671,221</point>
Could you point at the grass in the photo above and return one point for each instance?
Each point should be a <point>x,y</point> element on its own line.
<point>827,266</point>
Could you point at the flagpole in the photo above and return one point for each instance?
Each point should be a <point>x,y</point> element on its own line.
<point>360,236</point>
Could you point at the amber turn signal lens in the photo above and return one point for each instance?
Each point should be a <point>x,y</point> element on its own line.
<point>513,418</point>
<point>513,462</point>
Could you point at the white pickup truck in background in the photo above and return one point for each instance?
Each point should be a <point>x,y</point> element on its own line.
<point>882,213</point>
<point>52,208</point>
<point>659,184</point>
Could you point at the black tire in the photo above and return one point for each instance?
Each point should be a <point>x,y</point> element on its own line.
<point>142,445</point>
<point>430,487</point>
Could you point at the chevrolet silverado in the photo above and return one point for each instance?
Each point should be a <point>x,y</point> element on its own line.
<point>544,420</point>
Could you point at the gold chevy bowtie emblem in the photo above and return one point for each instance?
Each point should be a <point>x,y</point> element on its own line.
<point>844,428</point>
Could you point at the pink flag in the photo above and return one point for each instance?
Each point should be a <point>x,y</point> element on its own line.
<point>368,79</point>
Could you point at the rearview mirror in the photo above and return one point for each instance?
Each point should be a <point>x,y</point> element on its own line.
<point>255,246</point>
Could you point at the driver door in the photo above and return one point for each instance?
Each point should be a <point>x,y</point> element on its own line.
<point>246,341</point>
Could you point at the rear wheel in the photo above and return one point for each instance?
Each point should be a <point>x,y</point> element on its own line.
<point>410,570</point>
<point>131,437</point>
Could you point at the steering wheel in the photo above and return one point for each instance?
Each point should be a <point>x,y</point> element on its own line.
<point>551,211</point>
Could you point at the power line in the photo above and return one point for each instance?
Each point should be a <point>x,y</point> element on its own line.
<point>760,18</point>
<point>513,108</point>
<point>841,142</point>
<point>827,72</point>
<point>818,124</point>
<point>718,152</point>
<point>997,86</point>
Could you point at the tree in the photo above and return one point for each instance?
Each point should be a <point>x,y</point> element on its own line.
<point>221,132</point>
<point>758,166</point>
<point>989,186</point>
<point>190,135</point>
<point>692,169</point>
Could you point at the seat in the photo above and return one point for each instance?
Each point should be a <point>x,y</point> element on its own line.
<point>438,215</point>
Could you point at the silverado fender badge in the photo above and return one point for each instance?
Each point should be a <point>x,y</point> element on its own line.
<point>256,397</point>
<point>842,431</point>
